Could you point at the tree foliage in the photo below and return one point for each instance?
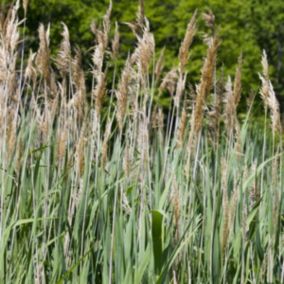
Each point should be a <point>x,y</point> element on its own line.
<point>244,26</point>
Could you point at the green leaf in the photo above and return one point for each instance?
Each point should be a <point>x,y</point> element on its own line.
<point>157,223</point>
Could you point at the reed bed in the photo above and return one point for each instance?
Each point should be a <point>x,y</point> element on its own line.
<point>101,184</point>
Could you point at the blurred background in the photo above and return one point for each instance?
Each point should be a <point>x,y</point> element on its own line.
<point>244,26</point>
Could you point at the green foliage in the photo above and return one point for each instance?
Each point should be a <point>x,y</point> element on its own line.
<point>244,27</point>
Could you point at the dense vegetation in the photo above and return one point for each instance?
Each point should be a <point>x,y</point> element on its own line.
<point>99,184</point>
<point>246,26</point>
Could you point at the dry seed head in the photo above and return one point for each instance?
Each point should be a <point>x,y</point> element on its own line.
<point>144,51</point>
<point>4,69</point>
<point>11,34</point>
<point>265,67</point>
<point>138,26</point>
<point>11,81</point>
<point>269,97</point>
<point>44,126</point>
<point>78,73</point>
<point>78,99</point>
<point>25,5</point>
<point>181,129</point>
<point>274,110</point>
<point>209,19</point>
<point>205,83</point>
<point>169,82</point>
<point>187,41</point>
<point>98,58</point>
<point>61,143</point>
<point>30,72</point>
<point>264,79</point>
<point>140,17</point>
<point>99,92</point>
<point>157,119</point>
<point>42,58</point>
<point>53,84</point>
<point>64,55</point>
<point>121,93</point>
<point>102,35</point>
<point>106,24</point>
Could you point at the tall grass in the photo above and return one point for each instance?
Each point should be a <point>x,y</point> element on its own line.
<point>100,185</point>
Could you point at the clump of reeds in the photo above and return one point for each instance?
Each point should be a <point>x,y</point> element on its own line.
<point>92,180</point>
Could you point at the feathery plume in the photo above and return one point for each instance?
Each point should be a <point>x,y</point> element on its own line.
<point>180,88</point>
<point>25,6</point>
<point>181,129</point>
<point>30,72</point>
<point>209,19</point>
<point>61,144</point>
<point>187,41</point>
<point>64,56</point>
<point>78,73</point>
<point>205,84</point>
<point>98,58</point>
<point>274,110</point>
<point>169,82</point>
<point>157,121</point>
<point>144,51</point>
<point>269,97</point>
<point>140,17</point>
<point>11,33</point>
<point>102,42</point>
<point>99,92</point>
<point>43,54</point>
<point>121,94</point>
<point>106,25</point>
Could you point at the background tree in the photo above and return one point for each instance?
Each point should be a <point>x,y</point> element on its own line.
<point>244,26</point>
